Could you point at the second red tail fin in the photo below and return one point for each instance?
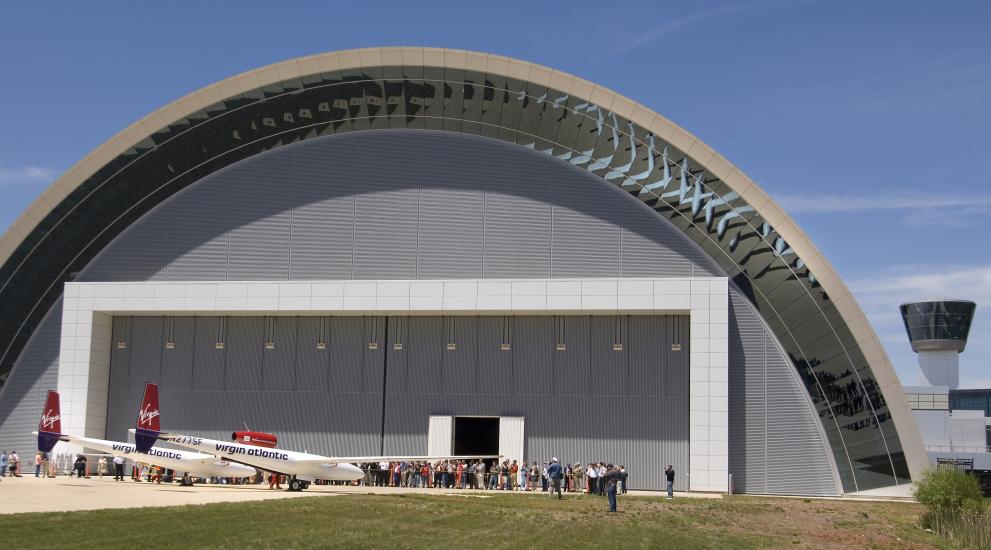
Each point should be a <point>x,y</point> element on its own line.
<point>148,416</point>
<point>149,423</point>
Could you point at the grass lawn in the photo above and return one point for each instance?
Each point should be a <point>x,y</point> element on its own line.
<point>496,521</point>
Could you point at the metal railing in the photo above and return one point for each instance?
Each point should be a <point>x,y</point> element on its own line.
<point>959,448</point>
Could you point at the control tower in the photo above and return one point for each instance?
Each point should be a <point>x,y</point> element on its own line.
<point>938,331</point>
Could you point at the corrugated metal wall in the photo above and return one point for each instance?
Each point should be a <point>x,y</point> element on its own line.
<point>585,402</point>
<point>399,205</point>
<point>632,410</point>
<point>408,204</point>
<point>324,400</point>
<point>23,395</point>
<point>776,445</point>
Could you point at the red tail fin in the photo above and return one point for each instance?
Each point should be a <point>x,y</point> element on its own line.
<point>51,416</point>
<point>148,415</point>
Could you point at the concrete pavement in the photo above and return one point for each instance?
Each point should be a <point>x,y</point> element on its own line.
<point>65,494</point>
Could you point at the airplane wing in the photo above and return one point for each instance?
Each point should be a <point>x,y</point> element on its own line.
<point>353,459</point>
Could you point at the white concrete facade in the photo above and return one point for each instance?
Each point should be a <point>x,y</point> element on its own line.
<point>940,368</point>
<point>88,310</point>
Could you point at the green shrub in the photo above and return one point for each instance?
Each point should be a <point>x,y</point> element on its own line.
<point>947,489</point>
<point>955,507</point>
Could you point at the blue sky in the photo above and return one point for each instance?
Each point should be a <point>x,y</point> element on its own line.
<point>868,121</point>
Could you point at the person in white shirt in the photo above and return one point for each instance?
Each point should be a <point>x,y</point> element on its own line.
<point>384,474</point>
<point>14,463</point>
<point>592,473</point>
<point>118,468</point>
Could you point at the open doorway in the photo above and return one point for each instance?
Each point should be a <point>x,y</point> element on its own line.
<point>476,435</point>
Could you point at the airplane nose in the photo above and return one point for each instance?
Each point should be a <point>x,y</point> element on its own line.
<point>355,471</point>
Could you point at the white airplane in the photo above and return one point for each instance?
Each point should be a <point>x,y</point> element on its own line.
<point>303,467</point>
<point>196,464</point>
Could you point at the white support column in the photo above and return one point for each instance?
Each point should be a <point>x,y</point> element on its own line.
<point>940,368</point>
<point>84,362</point>
<point>708,401</point>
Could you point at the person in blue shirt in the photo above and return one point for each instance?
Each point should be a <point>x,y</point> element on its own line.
<point>554,474</point>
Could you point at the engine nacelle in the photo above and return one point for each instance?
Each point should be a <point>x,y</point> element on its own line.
<point>258,439</point>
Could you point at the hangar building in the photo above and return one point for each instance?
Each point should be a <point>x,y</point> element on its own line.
<point>412,250</point>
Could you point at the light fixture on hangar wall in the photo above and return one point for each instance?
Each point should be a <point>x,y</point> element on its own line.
<point>372,340</point>
<point>560,346</point>
<point>321,338</point>
<point>400,325</point>
<point>617,343</point>
<point>120,329</point>
<point>270,333</point>
<point>452,341</point>
<point>221,332</point>
<point>170,332</point>
<point>506,334</point>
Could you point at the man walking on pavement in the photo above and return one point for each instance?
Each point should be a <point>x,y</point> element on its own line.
<point>554,474</point>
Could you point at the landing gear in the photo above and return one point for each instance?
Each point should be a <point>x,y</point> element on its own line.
<point>186,481</point>
<point>296,485</point>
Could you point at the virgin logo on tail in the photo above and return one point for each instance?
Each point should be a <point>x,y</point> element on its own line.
<point>148,415</point>
<point>51,418</point>
<point>145,416</point>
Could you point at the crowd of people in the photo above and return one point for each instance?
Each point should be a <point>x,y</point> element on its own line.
<point>508,475</point>
<point>596,478</point>
<point>10,464</point>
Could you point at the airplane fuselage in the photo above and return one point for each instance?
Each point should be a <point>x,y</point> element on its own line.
<point>197,464</point>
<point>305,466</point>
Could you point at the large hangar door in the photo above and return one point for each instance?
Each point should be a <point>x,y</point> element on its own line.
<point>589,387</point>
<point>440,435</point>
<point>511,438</point>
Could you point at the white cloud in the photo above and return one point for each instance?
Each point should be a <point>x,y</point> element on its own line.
<point>816,204</point>
<point>668,27</point>
<point>914,282</point>
<point>881,295</point>
<point>27,175</point>
<point>679,22</point>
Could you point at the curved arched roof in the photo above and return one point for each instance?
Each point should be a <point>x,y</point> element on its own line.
<point>799,294</point>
